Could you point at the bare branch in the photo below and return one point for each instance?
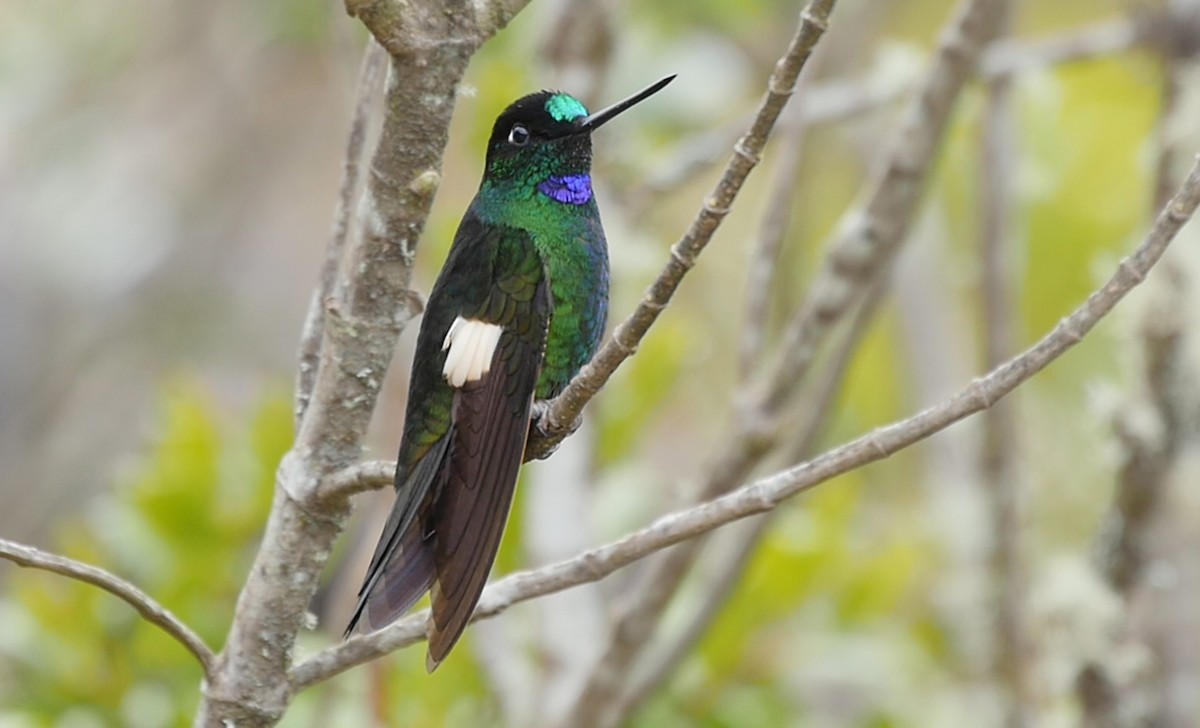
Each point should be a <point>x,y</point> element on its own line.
<point>657,665</point>
<point>1098,698</point>
<point>369,304</point>
<point>151,611</point>
<point>557,421</point>
<point>373,65</point>
<point>403,27</point>
<point>1149,430</point>
<point>1009,57</point>
<point>1151,447</point>
<point>766,493</point>
<point>836,100</point>
<point>597,702</point>
<point>357,478</point>
<point>914,145</point>
<point>765,258</point>
<point>875,228</point>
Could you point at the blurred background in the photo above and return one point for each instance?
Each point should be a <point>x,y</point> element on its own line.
<point>168,174</point>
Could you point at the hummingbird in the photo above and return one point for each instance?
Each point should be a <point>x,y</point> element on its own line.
<point>518,308</point>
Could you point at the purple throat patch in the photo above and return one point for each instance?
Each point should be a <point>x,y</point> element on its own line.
<point>574,189</point>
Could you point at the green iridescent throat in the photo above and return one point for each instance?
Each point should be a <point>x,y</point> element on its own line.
<point>563,107</point>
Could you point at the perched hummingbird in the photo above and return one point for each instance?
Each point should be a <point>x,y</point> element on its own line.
<point>518,308</point>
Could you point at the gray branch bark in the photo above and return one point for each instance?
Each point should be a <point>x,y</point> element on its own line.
<point>368,305</point>
<point>765,494</point>
<point>151,610</point>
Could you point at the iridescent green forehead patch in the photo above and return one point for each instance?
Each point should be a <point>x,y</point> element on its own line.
<point>563,107</point>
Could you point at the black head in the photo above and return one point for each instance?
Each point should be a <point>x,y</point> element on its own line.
<point>549,132</point>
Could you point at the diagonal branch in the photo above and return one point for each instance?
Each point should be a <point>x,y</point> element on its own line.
<point>151,611</point>
<point>880,227</point>
<point>1152,429</point>
<point>874,229</point>
<point>558,420</point>
<point>835,100</point>
<point>661,659</point>
<point>766,493</point>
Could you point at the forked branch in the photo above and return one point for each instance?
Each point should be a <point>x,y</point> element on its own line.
<point>766,493</point>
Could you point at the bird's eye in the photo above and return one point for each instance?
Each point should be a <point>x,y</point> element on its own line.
<point>518,135</point>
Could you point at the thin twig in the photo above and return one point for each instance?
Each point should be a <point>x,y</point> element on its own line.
<point>836,100</point>
<point>373,65</point>
<point>151,611</point>
<point>831,101</point>
<point>1078,44</point>
<point>970,30</point>
<point>357,478</point>
<point>766,493</point>
<point>1008,57</point>
<point>874,229</point>
<point>662,660</point>
<point>750,437</point>
<point>597,701</point>
<point>765,259</point>
<point>555,424</point>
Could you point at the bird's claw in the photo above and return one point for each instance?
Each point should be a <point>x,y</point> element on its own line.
<point>542,441</point>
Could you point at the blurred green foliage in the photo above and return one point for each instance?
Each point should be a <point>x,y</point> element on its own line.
<point>851,606</point>
<point>182,527</point>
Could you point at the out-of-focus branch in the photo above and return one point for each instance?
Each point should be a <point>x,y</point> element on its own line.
<point>873,229</point>
<point>756,416</point>
<point>151,611</point>
<point>766,493</point>
<point>998,463</point>
<point>597,703</point>
<point>835,100</point>
<point>1149,434</point>
<point>367,306</point>
<point>1008,57</point>
<point>660,660</point>
<point>1098,698</point>
<point>373,65</point>
<point>760,282</point>
<point>557,420</point>
<point>830,101</point>
<point>1150,428</point>
<point>578,47</point>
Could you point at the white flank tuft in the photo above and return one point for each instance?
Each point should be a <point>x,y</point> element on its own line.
<point>471,344</point>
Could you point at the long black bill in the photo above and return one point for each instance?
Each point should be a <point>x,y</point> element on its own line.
<point>594,121</point>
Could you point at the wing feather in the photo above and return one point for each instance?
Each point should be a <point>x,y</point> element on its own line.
<point>464,435</point>
<point>490,426</point>
<point>401,569</point>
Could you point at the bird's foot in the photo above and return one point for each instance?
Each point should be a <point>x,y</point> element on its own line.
<point>543,442</point>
